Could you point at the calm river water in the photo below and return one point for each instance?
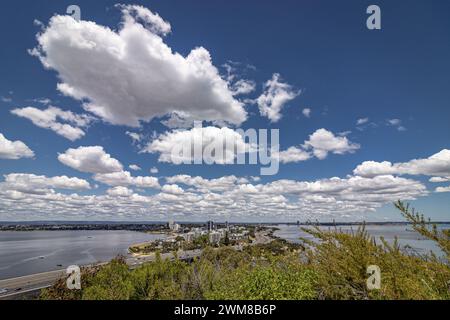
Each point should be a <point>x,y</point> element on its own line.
<point>406,236</point>
<point>24,253</point>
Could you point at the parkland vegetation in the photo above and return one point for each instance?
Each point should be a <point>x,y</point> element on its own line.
<point>332,266</point>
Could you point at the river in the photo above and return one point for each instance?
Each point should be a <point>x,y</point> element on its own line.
<point>30,252</point>
<point>407,238</point>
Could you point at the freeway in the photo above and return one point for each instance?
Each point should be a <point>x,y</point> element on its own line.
<point>21,285</point>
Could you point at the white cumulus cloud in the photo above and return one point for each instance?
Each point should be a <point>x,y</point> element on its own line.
<point>53,118</point>
<point>90,159</point>
<point>362,121</point>
<point>323,142</point>
<point>170,145</point>
<point>442,189</point>
<point>439,179</point>
<point>32,184</point>
<point>306,112</point>
<point>14,150</point>
<point>172,189</point>
<point>124,178</point>
<point>135,137</point>
<point>276,94</point>
<point>435,165</point>
<point>132,75</point>
<point>135,167</point>
<point>154,170</point>
<point>396,123</point>
<point>293,154</point>
<point>243,86</point>
<point>119,192</point>
<point>223,197</point>
<point>151,20</point>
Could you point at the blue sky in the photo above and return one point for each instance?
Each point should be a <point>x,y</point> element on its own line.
<point>61,144</point>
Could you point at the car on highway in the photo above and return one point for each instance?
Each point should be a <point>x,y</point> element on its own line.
<point>3,291</point>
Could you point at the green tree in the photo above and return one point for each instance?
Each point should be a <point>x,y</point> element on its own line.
<point>112,282</point>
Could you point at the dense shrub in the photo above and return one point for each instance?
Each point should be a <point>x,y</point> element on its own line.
<point>278,280</point>
<point>340,261</point>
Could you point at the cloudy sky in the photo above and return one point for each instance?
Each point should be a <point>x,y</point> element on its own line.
<point>91,109</point>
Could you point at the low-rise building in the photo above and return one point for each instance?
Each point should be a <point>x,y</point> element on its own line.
<point>189,237</point>
<point>237,236</point>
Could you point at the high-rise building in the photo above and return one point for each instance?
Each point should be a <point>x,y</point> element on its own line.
<point>214,237</point>
<point>210,225</point>
<point>173,226</point>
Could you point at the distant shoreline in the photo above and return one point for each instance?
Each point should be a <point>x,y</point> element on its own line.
<point>160,228</point>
